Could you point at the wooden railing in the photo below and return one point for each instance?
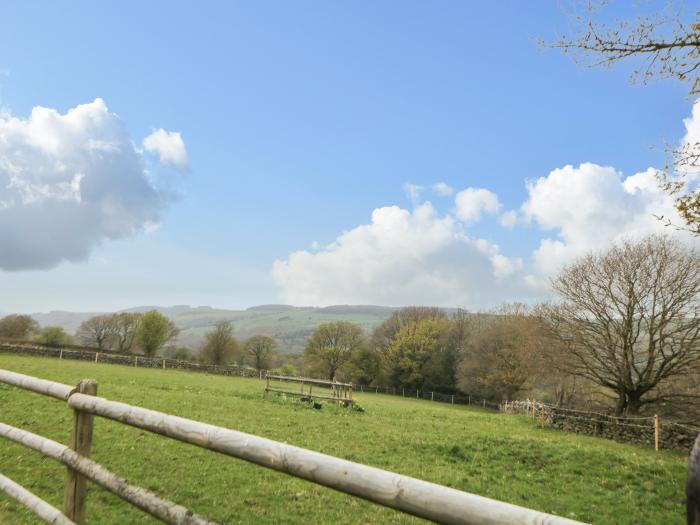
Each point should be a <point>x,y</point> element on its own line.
<point>412,496</point>
<point>335,390</point>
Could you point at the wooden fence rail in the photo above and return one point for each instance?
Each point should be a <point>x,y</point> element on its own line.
<point>410,495</point>
<point>38,506</point>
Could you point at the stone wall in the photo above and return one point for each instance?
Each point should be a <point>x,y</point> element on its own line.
<point>638,430</point>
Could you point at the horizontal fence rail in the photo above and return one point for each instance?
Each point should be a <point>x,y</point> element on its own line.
<point>38,506</point>
<point>141,498</point>
<point>410,495</point>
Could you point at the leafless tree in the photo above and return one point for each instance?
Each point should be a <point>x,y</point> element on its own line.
<point>667,43</point>
<point>628,319</point>
<point>125,325</point>
<point>98,331</point>
<point>503,355</point>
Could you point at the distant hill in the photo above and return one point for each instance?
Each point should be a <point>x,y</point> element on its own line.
<point>290,325</point>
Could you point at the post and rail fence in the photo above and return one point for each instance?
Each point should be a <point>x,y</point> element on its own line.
<point>139,361</point>
<point>403,493</point>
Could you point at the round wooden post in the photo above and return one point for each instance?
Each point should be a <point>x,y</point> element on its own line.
<point>692,485</point>
<point>432,396</point>
<point>657,429</point>
<point>97,356</point>
<point>75,493</point>
<point>453,399</point>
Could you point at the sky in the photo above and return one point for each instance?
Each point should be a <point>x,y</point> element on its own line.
<point>313,153</point>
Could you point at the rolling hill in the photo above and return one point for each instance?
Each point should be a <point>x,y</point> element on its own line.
<point>290,325</point>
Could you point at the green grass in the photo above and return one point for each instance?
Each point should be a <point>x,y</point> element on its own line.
<point>503,457</point>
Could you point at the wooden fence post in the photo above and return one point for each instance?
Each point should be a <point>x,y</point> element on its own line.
<point>657,429</point>
<point>453,399</point>
<point>60,356</point>
<point>97,356</point>
<point>432,394</point>
<point>75,492</point>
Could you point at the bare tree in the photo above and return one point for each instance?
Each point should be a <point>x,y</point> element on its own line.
<point>260,349</point>
<point>98,331</point>
<point>628,318</point>
<point>667,43</point>
<point>125,325</point>
<point>503,356</point>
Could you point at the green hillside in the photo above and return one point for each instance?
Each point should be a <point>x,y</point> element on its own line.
<point>288,324</point>
<point>504,457</point>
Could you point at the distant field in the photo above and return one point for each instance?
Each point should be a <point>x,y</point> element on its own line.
<point>503,457</point>
<point>289,325</point>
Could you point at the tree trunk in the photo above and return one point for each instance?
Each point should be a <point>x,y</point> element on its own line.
<point>634,403</point>
<point>621,405</point>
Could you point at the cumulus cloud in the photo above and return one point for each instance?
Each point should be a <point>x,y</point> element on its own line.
<point>472,202</point>
<point>590,206</point>
<point>169,147</point>
<point>68,181</point>
<point>400,257</point>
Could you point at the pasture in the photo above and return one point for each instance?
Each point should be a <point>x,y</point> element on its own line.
<point>503,457</point>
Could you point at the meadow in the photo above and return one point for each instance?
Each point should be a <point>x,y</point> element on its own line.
<point>503,457</point>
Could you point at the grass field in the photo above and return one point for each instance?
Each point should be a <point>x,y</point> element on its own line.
<point>504,457</point>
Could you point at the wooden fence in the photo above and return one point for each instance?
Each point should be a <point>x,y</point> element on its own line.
<point>409,495</point>
<point>109,357</point>
<point>331,390</point>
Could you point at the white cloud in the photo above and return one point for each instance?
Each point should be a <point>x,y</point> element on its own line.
<point>169,147</point>
<point>509,219</point>
<point>442,189</point>
<point>68,181</point>
<point>591,206</point>
<point>472,202</point>
<point>401,257</point>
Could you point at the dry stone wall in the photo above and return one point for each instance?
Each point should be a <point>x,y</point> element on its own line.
<point>638,430</point>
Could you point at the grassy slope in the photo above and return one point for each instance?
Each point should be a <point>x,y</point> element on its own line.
<point>502,457</point>
<point>290,325</point>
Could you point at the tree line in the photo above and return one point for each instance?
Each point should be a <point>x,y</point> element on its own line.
<point>623,333</point>
<point>150,333</point>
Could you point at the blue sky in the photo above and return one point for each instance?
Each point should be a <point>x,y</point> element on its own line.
<point>300,119</point>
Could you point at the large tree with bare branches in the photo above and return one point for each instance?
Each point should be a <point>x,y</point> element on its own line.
<point>628,319</point>
<point>97,331</point>
<point>661,44</point>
